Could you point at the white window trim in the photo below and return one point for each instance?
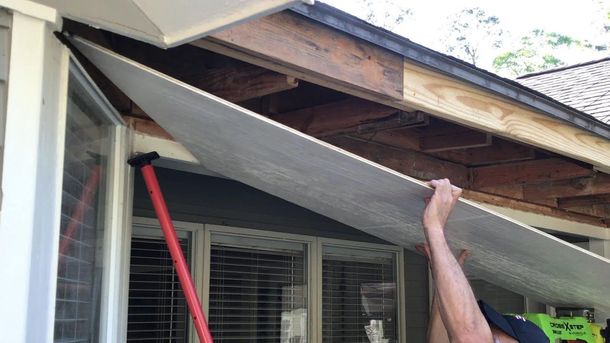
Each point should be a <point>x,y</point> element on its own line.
<point>200,268</point>
<point>118,205</point>
<point>400,279</point>
<point>197,261</point>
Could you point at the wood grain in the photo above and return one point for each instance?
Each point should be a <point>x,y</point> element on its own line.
<point>473,107</point>
<point>281,161</point>
<point>549,169</point>
<point>313,52</point>
<point>334,118</point>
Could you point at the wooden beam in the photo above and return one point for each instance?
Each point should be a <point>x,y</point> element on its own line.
<point>598,184</point>
<point>501,151</point>
<point>291,44</point>
<point>531,207</point>
<point>459,102</point>
<point>462,139</point>
<point>549,169</point>
<point>408,162</point>
<point>335,118</point>
<point>242,82</point>
<point>400,120</point>
<point>584,201</point>
<point>147,127</point>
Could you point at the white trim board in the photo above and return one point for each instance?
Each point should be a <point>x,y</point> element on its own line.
<point>264,154</point>
<point>165,23</point>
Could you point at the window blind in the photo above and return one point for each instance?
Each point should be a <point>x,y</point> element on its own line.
<point>358,287</point>
<point>82,220</point>
<point>258,294</point>
<point>157,308</point>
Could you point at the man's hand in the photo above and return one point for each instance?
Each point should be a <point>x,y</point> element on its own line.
<point>440,205</point>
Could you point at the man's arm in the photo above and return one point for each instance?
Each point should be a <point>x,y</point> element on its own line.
<point>458,307</point>
<point>437,333</point>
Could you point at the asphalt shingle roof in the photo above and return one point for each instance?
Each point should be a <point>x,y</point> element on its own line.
<point>585,87</point>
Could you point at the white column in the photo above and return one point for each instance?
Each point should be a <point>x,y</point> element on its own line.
<point>602,248</point>
<point>32,173</point>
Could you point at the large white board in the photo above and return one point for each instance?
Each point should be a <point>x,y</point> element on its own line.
<point>257,151</point>
<point>166,23</point>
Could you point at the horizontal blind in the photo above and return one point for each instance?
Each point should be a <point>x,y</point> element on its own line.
<point>356,290</point>
<point>157,308</point>
<point>257,295</point>
<point>80,262</point>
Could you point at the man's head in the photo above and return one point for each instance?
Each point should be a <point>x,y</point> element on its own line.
<point>508,329</point>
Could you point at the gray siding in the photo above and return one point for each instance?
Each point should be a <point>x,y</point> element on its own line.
<point>204,199</point>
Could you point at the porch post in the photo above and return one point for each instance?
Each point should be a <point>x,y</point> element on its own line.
<point>32,164</point>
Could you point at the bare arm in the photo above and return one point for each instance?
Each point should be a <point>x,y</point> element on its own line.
<point>437,333</point>
<point>457,306</point>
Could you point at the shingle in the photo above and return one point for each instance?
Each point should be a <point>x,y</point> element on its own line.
<point>585,87</point>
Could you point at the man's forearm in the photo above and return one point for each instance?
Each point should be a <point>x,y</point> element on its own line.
<point>458,307</point>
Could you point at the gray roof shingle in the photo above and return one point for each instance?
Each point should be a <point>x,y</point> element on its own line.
<point>585,87</point>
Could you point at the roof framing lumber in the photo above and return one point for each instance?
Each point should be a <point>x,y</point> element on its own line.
<point>290,44</point>
<point>241,82</point>
<point>550,169</point>
<point>294,45</point>
<point>583,201</point>
<point>502,151</point>
<point>595,185</point>
<point>473,107</point>
<point>334,118</point>
<point>408,162</point>
<point>462,139</point>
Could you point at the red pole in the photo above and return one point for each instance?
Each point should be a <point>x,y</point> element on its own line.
<point>182,269</point>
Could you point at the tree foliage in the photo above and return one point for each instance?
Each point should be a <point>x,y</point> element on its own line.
<point>386,13</point>
<point>471,30</point>
<point>539,50</point>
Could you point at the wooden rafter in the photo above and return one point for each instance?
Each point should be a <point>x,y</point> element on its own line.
<point>583,201</point>
<point>550,169</point>
<point>595,185</point>
<point>335,118</point>
<point>501,151</point>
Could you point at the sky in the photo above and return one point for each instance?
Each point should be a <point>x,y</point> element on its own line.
<point>580,19</point>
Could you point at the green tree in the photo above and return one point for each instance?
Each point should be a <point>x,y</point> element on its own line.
<point>538,51</point>
<point>469,31</point>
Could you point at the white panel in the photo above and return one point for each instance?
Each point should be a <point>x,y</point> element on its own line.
<point>165,23</point>
<point>264,154</point>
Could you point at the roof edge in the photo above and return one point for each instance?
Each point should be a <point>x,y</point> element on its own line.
<point>550,71</point>
<point>339,20</point>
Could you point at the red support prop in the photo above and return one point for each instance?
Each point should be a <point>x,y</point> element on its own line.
<point>182,269</point>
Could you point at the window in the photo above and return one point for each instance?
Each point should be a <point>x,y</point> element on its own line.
<point>263,286</point>
<point>157,308</point>
<point>83,218</point>
<point>257,290</point>
<point>358,295</point>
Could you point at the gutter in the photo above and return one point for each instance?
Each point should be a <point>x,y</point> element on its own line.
<point>339,20</point>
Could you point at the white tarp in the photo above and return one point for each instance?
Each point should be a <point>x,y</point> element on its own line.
<point>257,151</point>
<point>165,23</point>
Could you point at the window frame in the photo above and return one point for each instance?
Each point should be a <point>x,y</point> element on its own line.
<point>117,212</point>
<point>313,248</point>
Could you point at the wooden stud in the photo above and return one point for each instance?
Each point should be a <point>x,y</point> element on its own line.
<point>146,126</point>
<point>549,169</point>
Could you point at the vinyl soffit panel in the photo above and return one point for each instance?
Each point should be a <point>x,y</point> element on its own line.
<point>264,154</point>
<point>166,23</point>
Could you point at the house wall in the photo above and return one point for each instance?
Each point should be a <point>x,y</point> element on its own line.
<point>210,200</point>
